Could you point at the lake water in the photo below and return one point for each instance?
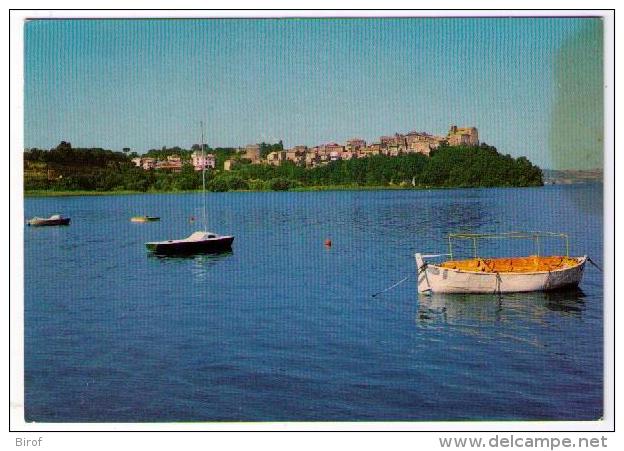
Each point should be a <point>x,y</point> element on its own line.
<point>285,329</point>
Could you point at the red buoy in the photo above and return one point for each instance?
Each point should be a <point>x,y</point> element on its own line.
<point>328,243</point>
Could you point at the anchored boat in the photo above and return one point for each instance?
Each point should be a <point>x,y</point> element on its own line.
<point>144,219</point>
<point>54,220</point>
<point>199,242</point>
<point>196,243</point>
<point>499,275</point>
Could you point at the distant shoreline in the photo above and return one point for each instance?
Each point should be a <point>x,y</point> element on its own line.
<point>45,193</point>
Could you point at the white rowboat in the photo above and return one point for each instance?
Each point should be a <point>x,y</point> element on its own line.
<point>502,275</point>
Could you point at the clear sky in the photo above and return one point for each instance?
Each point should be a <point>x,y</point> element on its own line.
<point>147,83</point>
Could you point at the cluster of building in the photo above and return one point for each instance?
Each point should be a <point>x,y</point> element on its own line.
<point>174,162</point>
<point>395,145</point>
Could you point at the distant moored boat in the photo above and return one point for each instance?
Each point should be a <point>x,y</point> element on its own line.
<point>144,218</point>
<point>54,220</point>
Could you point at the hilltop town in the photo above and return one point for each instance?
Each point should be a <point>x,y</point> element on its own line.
<point>398,144</point>
<point>412,160</point>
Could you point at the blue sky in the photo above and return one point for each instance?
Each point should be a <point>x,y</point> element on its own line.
<point>147,83</point>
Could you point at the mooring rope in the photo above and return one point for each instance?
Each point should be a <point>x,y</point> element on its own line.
<point>497,290</point>
<point>592,262</point>
<point>392,286</point>
<point>420,271</point>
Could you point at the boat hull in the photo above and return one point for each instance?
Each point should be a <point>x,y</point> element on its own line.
<point>209,246</point>
<point>48,222</point>
<point>436,279</point>
<point>144,219</point>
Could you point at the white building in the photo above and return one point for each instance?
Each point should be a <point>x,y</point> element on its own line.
<point>203,161</point>
<point>148,163</point>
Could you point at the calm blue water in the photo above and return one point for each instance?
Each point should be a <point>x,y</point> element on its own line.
<point>285,329</point>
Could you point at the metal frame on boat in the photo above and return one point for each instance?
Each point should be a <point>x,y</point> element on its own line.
<point>480,275</point>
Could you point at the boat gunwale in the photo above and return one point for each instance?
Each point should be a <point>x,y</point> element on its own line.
<point>582,261</point>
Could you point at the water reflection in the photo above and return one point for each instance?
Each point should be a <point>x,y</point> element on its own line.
<point>199,265</point>
<point>200,257</point>
<point>571,301</point>
<point>47,231</point>
<point>473,309</point>
<point>197,259</point>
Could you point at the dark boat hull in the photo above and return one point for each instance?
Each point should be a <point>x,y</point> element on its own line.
<point>211,246</point>
<point>49,222</point>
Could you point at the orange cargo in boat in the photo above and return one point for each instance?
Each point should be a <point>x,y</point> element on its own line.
<point>532,263</point>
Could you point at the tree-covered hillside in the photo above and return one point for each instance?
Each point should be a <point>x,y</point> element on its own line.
<point>65,168</point>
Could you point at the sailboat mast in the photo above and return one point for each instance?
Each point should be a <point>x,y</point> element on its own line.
<point>203,176</point>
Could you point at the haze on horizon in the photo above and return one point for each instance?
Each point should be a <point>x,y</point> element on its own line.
<point>532,86</point>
